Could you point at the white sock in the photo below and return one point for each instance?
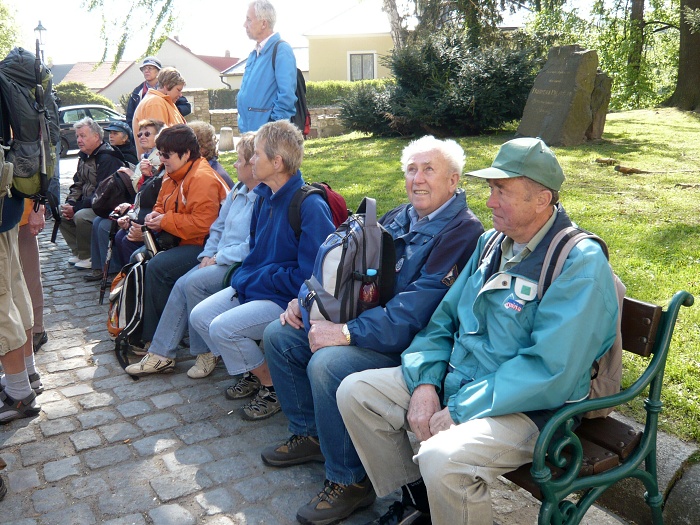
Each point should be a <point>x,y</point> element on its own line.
<point>29,364</point>
<point>17,385</point>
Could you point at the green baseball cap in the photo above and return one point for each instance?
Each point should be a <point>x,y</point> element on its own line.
<point>525,157</point>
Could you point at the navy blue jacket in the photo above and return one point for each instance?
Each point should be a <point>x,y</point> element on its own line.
<point>428,261</point>
<point>278,262</point>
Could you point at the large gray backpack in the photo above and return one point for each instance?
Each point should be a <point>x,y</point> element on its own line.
<point>360,243</point>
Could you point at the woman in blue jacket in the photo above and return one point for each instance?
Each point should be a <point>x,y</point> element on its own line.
<point>232,321</point>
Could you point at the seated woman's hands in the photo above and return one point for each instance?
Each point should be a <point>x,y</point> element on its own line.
<point>135,234</point>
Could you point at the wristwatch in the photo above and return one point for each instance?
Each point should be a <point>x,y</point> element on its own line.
<point>346,332</point>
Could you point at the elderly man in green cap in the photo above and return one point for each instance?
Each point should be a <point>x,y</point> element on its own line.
<point>480,381</point>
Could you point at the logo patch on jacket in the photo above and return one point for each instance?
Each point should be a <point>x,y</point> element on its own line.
<point>451,276</point>
<point>513,304</point>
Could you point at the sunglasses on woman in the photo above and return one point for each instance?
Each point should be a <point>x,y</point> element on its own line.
<point>166,156</point>
<point>144,134</point>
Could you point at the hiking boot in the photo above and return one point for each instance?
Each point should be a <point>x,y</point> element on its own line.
<point>35,383</point>
<point>336,502</point>
<point>39,340</point>
<point>295,451</point>
<point>94,275</point>
<point>402,514</point>
<point>138,350</point>
<point>11,409</point>
<point>263,405</point>
<point>203,366</point>
<point>247,386</point>
<point>151,364</point>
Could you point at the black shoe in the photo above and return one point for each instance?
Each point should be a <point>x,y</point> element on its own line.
<point>336,502</point>
<point>402,514</point>
<point>94,275</point>
<point>295,451</point>
<point>39,340</point>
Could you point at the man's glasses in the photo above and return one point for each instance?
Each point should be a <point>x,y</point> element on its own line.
<point>144,134</point>
<point>166,156</point>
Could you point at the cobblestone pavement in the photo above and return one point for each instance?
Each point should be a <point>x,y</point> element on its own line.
<point>163,450</point>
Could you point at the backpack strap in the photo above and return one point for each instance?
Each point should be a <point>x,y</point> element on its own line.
<point>274,53</point>
<point>559,249</point>
<point>490,245</point>
<point>294,214</point>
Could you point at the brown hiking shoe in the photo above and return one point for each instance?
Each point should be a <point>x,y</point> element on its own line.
<point>295,451</point>
<point>336,502</point>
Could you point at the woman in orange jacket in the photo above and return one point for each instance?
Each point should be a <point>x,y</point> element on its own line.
<point>187,205</point>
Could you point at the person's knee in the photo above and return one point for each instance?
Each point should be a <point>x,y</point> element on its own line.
<point>348,394</point>
<point>272,338</point>
<point>328,367</point>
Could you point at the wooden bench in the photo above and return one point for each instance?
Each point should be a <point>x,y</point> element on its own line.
<point>605,450</point>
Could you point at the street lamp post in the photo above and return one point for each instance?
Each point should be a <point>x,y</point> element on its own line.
<point>39,31</point>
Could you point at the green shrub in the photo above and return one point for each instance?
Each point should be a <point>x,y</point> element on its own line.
<point>72,93</point>
<point>332,92</point>
<point>223,98</point>
<point>444,87</point>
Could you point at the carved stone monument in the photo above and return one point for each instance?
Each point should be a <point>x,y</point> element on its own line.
<point>569,100</point>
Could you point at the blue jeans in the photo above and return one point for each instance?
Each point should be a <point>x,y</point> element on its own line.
<point>125,247</point>
<point>100,244</point>
<point>232,330</point>
<point>306,384</point>
<point>161,274</point>
<point>189,290</point>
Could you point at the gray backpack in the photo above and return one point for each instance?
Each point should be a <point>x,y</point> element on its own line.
<point>360,243</point>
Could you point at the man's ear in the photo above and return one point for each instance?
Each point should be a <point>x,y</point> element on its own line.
<point>544,198</point>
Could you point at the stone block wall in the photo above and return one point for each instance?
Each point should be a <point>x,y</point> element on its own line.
<point>324,120</point>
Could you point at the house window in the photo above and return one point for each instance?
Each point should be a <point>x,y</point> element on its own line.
<point>361,66</point>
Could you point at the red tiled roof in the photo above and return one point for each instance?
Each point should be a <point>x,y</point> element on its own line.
<point>218,63</point>
<point>95,79</point>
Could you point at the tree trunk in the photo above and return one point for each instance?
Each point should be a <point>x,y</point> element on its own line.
<point>398,31</point>
<point>634,59</point>
<point>687,93</point>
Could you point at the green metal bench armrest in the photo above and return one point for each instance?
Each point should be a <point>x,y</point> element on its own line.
<point>558,444</point>
<point>226,281</point>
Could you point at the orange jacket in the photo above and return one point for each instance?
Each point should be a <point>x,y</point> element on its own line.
<point>158,106</point>
<point>190,199</point>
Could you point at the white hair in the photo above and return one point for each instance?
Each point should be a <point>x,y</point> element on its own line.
<point>448,148</point>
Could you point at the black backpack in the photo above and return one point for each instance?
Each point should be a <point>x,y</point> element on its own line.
<point>29,122</point>
<point>302,118</point>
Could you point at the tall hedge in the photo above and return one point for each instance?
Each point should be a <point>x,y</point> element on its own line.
<point>72,93</point>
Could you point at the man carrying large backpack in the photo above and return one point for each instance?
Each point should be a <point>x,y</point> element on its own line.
<point>97,161</point>
<point>434,235</point>
<point>495,361</point>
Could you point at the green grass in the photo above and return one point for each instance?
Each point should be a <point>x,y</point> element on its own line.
<point>650,221</point>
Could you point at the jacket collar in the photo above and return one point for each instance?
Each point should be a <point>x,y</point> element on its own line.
<point>99,149</point>
<point>430,228</point>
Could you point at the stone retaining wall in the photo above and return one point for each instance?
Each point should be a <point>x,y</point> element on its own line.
<point>324,120</point>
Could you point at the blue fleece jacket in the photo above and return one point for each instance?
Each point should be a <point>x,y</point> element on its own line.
<point>278,263</point>
<point>267,94</point>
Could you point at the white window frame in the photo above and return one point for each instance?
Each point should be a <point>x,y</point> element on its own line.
<point>364,52</point>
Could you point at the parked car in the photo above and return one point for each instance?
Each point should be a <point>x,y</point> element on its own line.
<point>69,115</point>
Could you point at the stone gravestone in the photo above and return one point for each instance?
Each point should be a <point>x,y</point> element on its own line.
<point>559,108</point>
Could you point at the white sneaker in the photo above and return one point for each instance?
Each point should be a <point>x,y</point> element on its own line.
<point>203,366</point>
<point>73,259</point>
<point>84,264</point>
<point>151,364</point>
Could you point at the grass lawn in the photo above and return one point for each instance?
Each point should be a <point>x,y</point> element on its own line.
<point>649,220</point>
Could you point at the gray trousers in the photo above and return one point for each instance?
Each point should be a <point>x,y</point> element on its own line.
<point>78,232</point>
<point>456,464</point>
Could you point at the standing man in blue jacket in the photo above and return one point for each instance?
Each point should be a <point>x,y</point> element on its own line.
<point>434,236</point>
<point>268,89</point>
<point>494,363</point>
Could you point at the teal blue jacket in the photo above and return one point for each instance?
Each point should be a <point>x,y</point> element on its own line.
<point>491,348</point>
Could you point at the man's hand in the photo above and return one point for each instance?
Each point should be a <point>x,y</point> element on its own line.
<point>441,421</point>
<point>67,211</point>
<point>36,220</point>
<point>135,234</point>
<point>325,333</point>
<point>424,404</point>
<point>292,315</point>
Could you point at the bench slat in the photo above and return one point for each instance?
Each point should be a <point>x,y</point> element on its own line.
<point>611,434</point>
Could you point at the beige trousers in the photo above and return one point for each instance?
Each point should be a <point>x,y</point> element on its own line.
<point>31,267</point>
<point>456,464</point>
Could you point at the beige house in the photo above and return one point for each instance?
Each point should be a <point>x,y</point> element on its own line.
<point>348,46</point>
<point>200,71</point>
